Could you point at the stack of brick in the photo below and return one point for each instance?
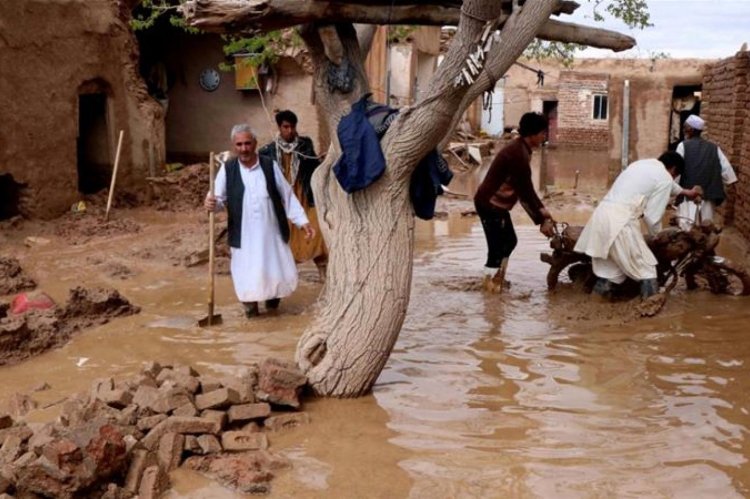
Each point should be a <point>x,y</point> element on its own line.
<point>726,109</point>
<point>123,438</point>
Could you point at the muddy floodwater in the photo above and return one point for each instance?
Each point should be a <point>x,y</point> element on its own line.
<point>528,394</point>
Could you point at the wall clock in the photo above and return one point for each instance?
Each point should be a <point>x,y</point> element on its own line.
<point>209,79</point>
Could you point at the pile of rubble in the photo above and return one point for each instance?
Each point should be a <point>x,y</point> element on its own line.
<point>180,190</point>
<point>123,437</point>
<point>12,277</point>
<point>34,331</point>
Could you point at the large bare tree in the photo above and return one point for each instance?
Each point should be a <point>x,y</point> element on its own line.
<point>370,233</point>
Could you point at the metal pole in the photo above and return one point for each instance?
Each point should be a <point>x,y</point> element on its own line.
<point>625,124</point>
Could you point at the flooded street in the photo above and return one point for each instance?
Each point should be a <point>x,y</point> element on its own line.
<point>528,394</point>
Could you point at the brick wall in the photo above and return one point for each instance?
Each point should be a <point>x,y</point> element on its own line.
<point>576,123</point>
<point>726,109</point>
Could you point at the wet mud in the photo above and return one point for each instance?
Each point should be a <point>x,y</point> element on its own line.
<point>13,278</point>
<point>524,394</point>
<point>183,189</point>
<point>27,334</point>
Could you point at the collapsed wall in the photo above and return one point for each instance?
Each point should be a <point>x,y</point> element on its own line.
<point>69,83</point>
<point>726,109</point>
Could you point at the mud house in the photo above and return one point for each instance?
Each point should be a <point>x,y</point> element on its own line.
<point>584,102</point>
<point>187,73</point>
<point>81,75</point>
<point>206,92</point>
<point>68,83</point>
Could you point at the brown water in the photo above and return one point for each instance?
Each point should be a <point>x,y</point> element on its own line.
<point>483,396</point>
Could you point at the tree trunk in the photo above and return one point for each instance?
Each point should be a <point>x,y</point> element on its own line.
<point>370,238</point>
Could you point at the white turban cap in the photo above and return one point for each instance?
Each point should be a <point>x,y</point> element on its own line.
<point>695,122</point>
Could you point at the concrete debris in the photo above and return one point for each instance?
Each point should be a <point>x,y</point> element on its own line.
<point>121,438</point>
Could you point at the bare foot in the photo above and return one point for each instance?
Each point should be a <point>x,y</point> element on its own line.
<point>652,305</point>
<point>492,286</point>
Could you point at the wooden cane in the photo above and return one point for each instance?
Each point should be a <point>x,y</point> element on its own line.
<point>211,253</point>
<point>114,175</point>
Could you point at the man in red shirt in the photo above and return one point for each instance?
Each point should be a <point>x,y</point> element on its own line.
<point>508,181</point>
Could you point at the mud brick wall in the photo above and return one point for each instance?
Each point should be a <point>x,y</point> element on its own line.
<point>726,109</point>
<point>576,125</point>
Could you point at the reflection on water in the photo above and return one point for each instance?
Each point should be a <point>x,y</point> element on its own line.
<point>500,397</point>
<point>484,396</point>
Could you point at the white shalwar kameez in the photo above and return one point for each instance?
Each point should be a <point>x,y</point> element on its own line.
<point>613,238</point>
<point>687,210</point>
<point>262,267</point>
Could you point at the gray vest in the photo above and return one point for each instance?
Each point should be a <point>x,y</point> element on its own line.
<point>702,167</point>
<point>236,191</point>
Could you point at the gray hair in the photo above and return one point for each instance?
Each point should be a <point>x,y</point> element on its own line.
<point>242,128</point>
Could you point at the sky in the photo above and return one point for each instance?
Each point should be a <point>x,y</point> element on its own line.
<point>681,28</point>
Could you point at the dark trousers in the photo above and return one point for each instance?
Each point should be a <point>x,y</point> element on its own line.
<point>500,234</point>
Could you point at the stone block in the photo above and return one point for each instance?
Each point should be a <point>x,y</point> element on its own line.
<point>246,412</point>
<point>146,396</point>
<point>188,410</point>
<point>180,378</point>
<point>218,417</point>
<point>151,440</point>
<point>140,460</point>
<point>181,424</point>
<point>209,444</point>
<point>145,424</point>
<point>210,384</point>
<point>280,382</point>
<point>170,400</point>
<point>286,421</point>
<point>243,385</point>
<point>170,450</point>
<point>217,399</point>
<point>154,482</point>
<point>243,440</point>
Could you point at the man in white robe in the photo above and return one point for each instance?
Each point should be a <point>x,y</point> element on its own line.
<point>613,238</point>
<point>257,198</point>
<point>705,165</point>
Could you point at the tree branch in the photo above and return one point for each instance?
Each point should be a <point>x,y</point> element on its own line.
<point>430,118</point>
<point>265,15</point>
<point>557,31</point>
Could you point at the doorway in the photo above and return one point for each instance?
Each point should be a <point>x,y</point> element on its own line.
<point>93,150</point>
<point>549,109</point>
<point>10,196</point>
<point>686,100</point>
